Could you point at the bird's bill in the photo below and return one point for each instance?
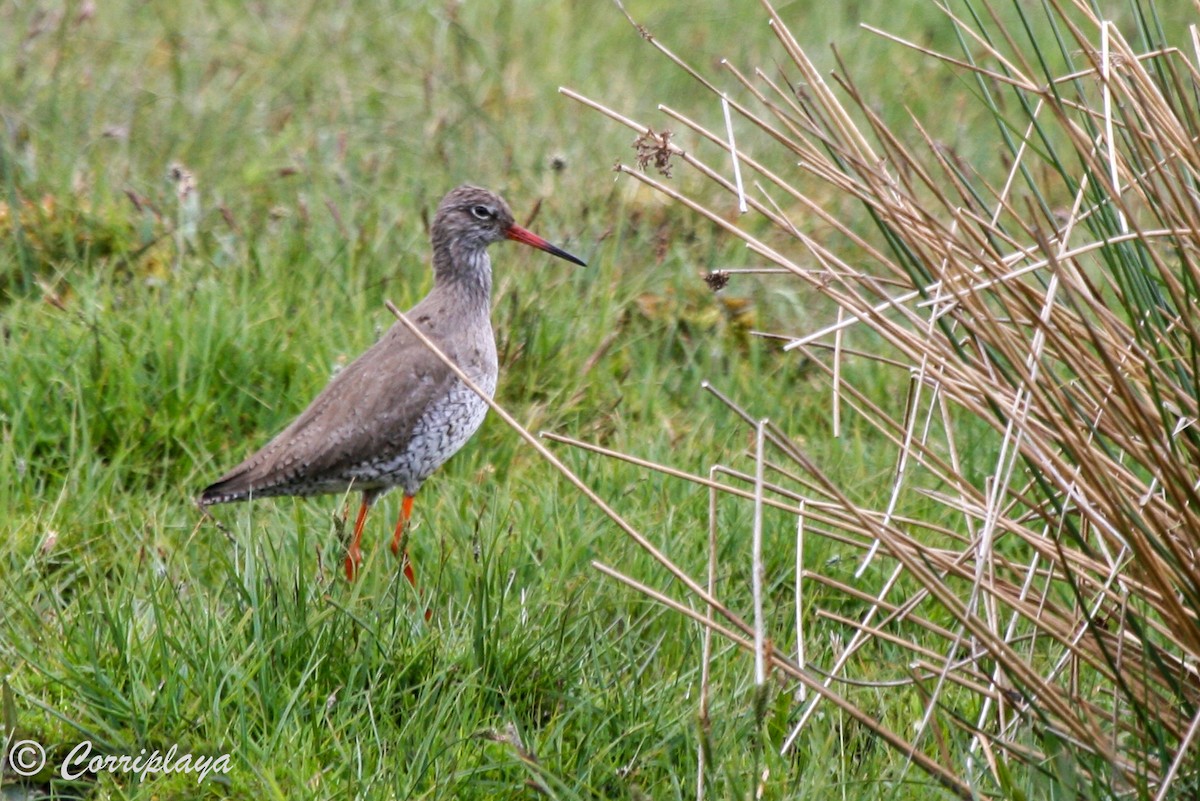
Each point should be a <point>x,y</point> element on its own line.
<point>519,234</point>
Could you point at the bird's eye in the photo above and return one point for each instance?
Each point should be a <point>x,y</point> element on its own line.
<point>481,212</point>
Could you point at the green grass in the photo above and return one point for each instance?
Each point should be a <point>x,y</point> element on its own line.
<point>132,373</point>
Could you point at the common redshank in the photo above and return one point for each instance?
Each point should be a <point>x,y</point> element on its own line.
<point>397,413</point>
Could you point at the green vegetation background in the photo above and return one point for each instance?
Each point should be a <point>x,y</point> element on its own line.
<point>147,346</point>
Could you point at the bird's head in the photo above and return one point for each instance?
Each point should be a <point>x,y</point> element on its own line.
<point>470,218</point>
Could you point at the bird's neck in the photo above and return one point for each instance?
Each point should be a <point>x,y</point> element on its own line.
<point>466,273</point>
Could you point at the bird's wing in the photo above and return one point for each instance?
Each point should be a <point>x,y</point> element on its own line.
<point>368,410</point>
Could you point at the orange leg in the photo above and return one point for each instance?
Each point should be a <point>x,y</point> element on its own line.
<point>398,547</point>
<point>354,552</point>
<point>398,540</point>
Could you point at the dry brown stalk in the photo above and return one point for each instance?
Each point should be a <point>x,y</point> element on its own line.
<point>1044,314</point>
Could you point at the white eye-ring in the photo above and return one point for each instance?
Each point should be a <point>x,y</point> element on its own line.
<point>482,212</point>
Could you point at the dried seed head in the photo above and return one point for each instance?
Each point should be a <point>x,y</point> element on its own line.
<point>717,279</point>
<point>654,147</point>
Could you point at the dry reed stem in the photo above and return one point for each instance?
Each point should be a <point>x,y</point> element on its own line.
<point>1078,565</point>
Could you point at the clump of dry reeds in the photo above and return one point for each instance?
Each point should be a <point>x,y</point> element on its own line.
<point>1060,593</point>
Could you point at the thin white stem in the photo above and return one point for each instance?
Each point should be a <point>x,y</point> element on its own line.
<point>706,646</point>
<point>733,154</point>
<point>802,691</point>
<point>758,571</point>
<point>1109,140</point>
<point>837,376</point>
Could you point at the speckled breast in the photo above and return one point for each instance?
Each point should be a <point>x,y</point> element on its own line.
<point>440,432</point>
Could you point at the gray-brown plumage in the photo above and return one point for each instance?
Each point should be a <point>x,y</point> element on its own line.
<point>397,413</point>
